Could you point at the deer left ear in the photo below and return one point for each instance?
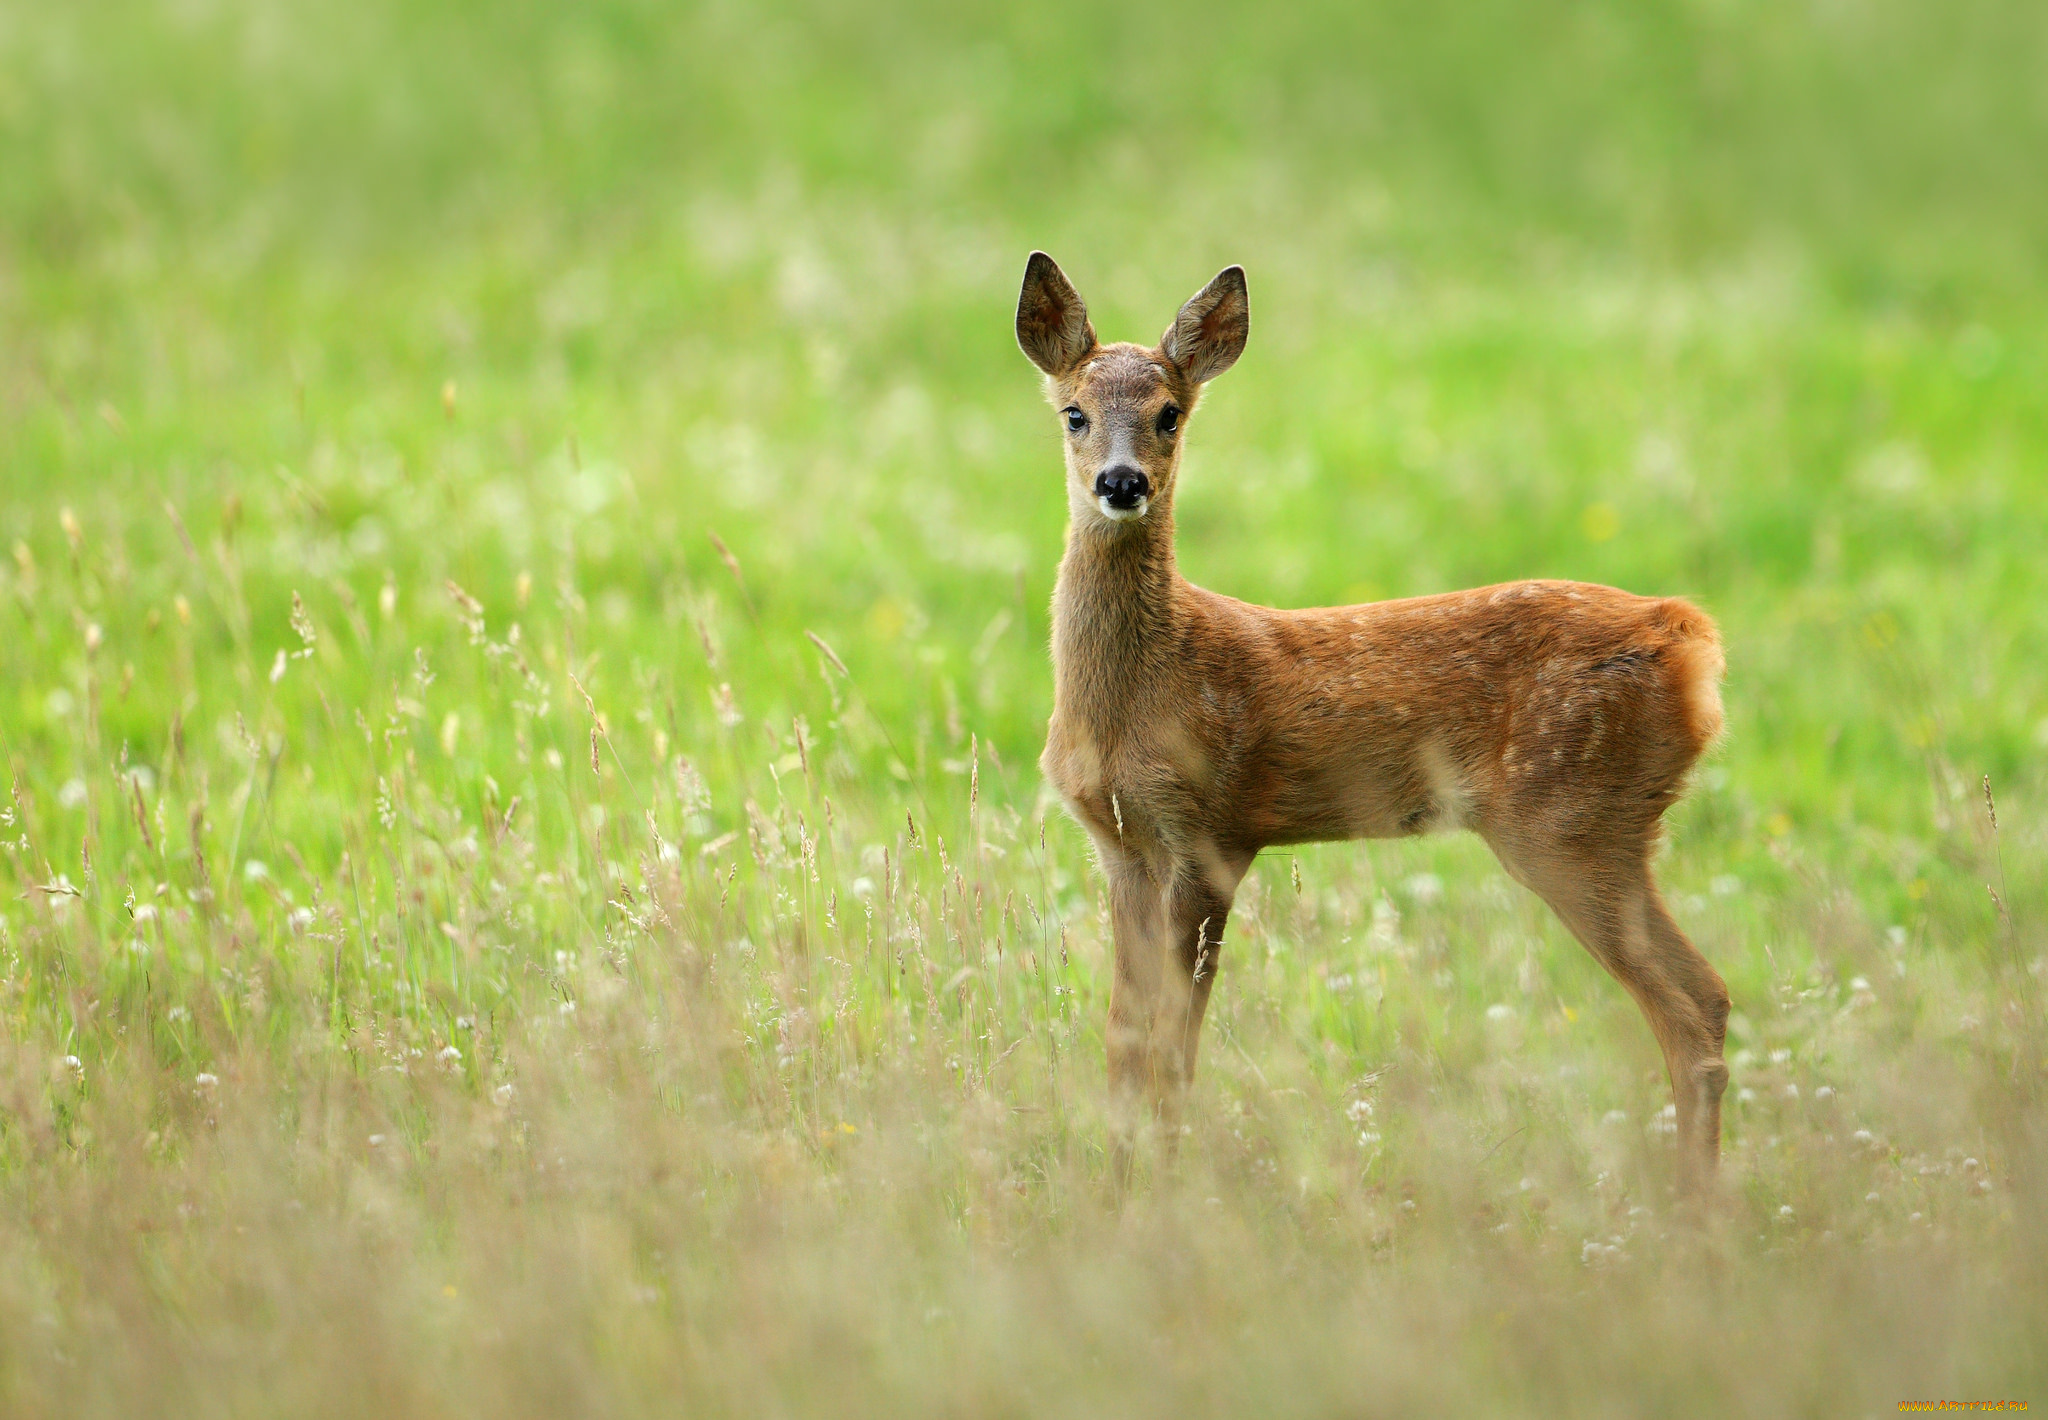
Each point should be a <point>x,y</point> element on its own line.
<point>1208,335</point>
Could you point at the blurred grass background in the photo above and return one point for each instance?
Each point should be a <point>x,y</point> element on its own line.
<point>343,303</point>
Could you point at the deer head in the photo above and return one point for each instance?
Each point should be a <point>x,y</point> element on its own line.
<point>1122,406</point>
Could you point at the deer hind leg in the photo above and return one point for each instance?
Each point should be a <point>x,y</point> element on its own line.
<point>1615,911</point>
<point>1699,1076</point>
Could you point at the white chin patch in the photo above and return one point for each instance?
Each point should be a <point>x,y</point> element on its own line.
<point>1123,515</point>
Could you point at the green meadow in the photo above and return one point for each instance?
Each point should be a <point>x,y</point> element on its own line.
<point>524,882</point>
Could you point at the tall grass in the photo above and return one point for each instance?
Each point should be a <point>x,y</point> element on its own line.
<point>526,884</point>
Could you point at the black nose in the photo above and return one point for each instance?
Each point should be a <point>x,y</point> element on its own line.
<point>1122,486</point>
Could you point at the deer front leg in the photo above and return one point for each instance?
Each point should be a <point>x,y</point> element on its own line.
<point>1197,908</point>
<point>1137,921</point>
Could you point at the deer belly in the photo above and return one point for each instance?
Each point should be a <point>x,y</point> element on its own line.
<point>1360,795</point>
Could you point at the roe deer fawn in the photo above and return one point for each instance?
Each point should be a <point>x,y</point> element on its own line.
<point>1189,730</point>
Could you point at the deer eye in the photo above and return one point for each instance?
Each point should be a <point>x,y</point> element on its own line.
<point>1169,420</point>
<point>1076,420</point>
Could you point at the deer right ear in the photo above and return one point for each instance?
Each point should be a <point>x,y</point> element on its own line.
<point>1052,320</point>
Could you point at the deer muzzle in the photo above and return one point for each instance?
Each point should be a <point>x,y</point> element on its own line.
<point>1122,491</point>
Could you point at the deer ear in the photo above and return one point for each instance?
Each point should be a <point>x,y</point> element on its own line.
<point>1208,335</point>
<point>1052,320</point>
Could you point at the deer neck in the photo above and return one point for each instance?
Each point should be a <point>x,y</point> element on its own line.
<point>1116,613</point>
